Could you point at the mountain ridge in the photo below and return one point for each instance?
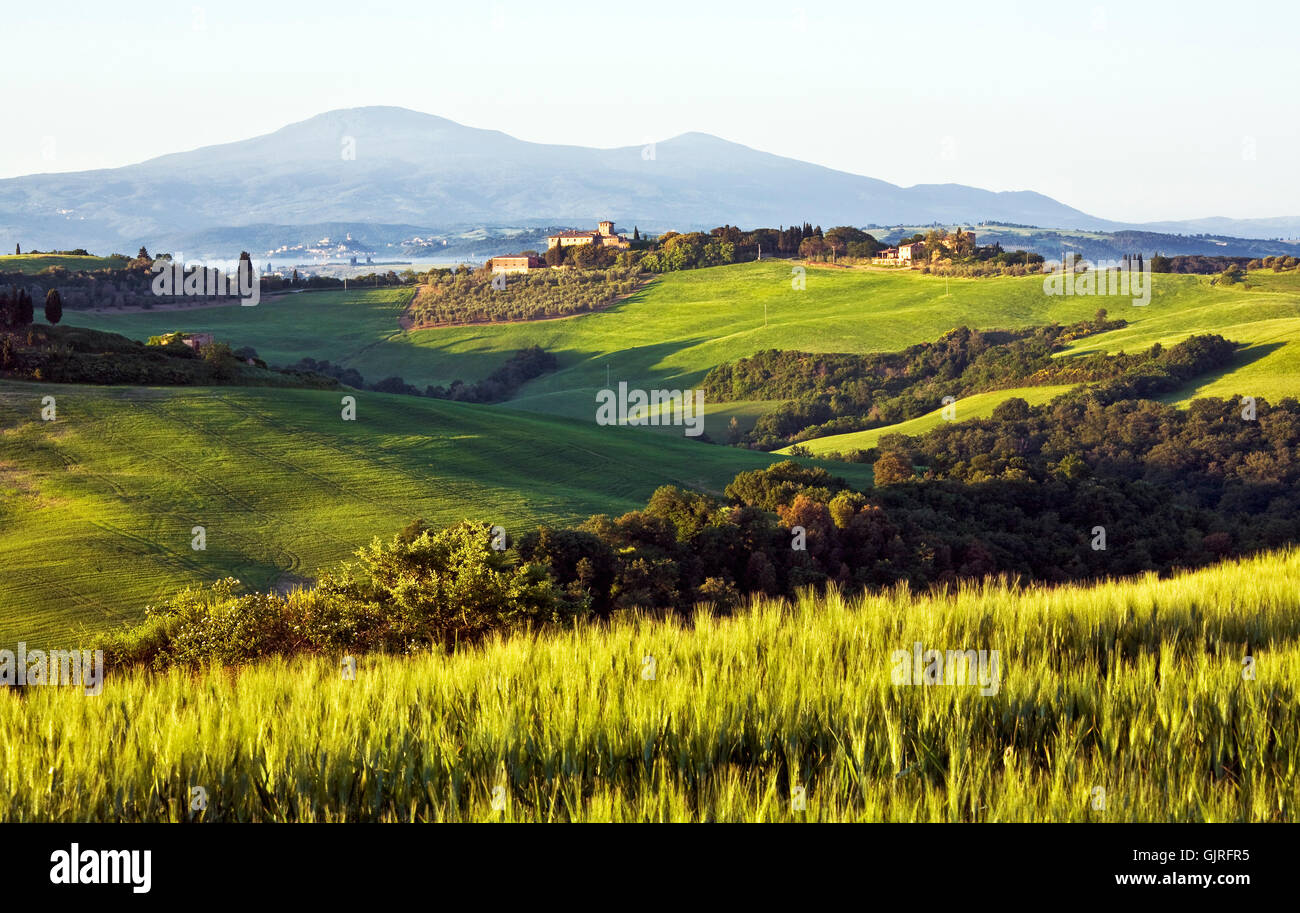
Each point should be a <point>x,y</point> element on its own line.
<point>391,165</point>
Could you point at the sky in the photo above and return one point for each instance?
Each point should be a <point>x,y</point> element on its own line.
<point>1139,111</point>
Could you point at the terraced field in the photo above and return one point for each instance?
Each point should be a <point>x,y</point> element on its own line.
<point>97,508</point>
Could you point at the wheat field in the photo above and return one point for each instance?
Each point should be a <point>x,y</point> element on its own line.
<point>1125,701</point>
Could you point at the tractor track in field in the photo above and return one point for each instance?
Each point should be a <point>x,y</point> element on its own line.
<point>280,558</point>
<point>373,457</point>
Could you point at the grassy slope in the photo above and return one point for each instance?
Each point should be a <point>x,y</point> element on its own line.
<point>682,325</point>
<point>353,328</point>
<point>671,333</point>
<point>96,509</point>
<point>31,264</point>
<point>1265,316</point>
<point>1135,688</point>
<point>981,405</point>
<point>668,335</point>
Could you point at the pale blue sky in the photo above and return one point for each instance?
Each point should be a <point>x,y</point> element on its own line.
<point>1136,111</point>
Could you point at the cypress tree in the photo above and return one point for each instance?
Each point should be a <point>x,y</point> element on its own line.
<point>26,309</point>
<point>53,306</point>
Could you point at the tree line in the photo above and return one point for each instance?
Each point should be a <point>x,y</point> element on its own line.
<point>826,394</point>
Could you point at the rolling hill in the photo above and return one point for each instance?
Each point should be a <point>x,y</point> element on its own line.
<point>683,324</point>
<point>980,405</point>
<point>97,508</point>
<point>284,487</point>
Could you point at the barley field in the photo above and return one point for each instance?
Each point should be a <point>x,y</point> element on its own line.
<point>1137,700</point>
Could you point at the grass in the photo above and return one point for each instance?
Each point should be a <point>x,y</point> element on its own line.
<point>1265,316</point>
<point>285,488</point>
<point>671,333</point>
<point>97,508</point>
<point>980,405</point>
<point>353,328</point>
<point>1124,701</point>
<point>31,264</point>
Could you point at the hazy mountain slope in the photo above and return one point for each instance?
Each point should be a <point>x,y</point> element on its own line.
<point>424,170</point>
<point>392,165</point>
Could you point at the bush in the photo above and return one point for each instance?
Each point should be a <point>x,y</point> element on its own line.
<point>423,588</point>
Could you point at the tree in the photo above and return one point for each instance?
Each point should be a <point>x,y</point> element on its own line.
<point>636,233</point>
<point>18,250</point>
<point>1230,276</point>
<point>221,358</point>
<point>245,268</point>
<point>26,310</point>
<point>1014,409</point>
<point>811,248</point>
<point>143,254</point>
<point>555,255</point>
<point>53,306</point>
<point>891,468</point>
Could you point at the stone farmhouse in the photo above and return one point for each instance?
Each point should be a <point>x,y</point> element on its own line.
<point>910,253</point>
<point>604,236</point>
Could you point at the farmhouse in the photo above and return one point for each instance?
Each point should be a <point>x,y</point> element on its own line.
<point>520,264</point>
<point>604,236</point>
<point>914,252</point>
<point>904,253</point>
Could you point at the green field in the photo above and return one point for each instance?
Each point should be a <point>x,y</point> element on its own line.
<point>674,331</point>
<point>1265,316</point>
<point>31,264</point>
<point>981,405</point>
<point>1126,701</point>
<point>352,328</point>
<point>96,508</point>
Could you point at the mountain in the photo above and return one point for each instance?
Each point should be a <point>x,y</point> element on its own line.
<point>393,166</point>
<point>1282,227</point>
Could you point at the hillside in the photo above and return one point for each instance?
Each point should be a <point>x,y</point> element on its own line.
<point>71,354</point>
<point>97,508</point>
<point>981,405</point>
<point>31,264</point>
<point>683,324</point>
<point>1124,701</point>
